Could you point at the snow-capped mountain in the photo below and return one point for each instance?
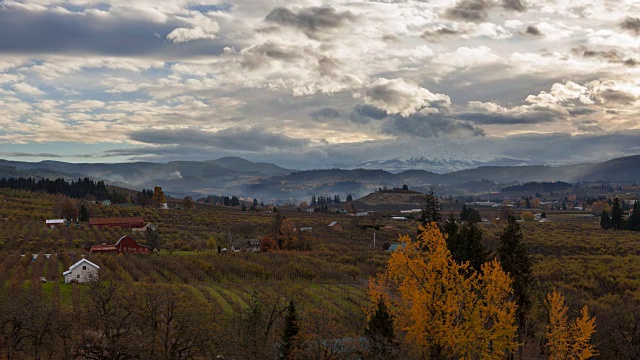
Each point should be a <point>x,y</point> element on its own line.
<point>436,165</point>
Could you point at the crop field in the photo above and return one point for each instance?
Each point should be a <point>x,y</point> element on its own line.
<point>571,253</point>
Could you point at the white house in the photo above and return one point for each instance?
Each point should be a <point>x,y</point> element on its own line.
<point>54,223</point>
<point>81,272</point>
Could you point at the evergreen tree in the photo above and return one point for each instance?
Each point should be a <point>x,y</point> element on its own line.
<point>634,219</point>
<point>605,220</point>
<point>244,207</point>
<point>83,216</point>
<point>473,250</point>
<point>430,209</point>
<point>450,230</point>
<point>617,215</point>
<point>464,214</point>
<point>380,332</point>
<point>290,334</point>
<point>314,201</point>
<point>514,259</point>
<point>349,198</point>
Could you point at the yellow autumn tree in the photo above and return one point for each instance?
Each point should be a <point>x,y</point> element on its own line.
<point>565,340</point>
<point>444,309</point>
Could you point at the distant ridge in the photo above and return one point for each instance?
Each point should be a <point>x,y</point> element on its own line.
<point>241,177</point>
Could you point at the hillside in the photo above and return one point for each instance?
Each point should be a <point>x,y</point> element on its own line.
<point>390,200</point>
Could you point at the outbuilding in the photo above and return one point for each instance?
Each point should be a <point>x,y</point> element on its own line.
<point>81,272</point>
<point>54,223</point>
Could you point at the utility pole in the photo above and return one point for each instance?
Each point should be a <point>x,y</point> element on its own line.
<point>374,238</point>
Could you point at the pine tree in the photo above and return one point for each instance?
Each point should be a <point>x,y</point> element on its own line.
<point>464,214</point>
<point>430,209</point>
<point>617,215</point>
<point>514,259</point>
<point>380,332</point>
<point>83,216</point>
<point>605,220</point>
<point>290,334</point>
<point>450,230</point>
<point>634,219</point>
<point>473,250</point>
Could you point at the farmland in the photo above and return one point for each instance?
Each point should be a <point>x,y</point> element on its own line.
<point>591,266</point>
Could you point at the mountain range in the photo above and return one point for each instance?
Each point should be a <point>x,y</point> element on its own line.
<point>269,182</point>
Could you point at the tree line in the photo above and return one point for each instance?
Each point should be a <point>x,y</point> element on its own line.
<point>80,189</point>
<point>616,219</point>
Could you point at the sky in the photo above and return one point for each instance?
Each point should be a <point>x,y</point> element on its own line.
<point>311,84</point>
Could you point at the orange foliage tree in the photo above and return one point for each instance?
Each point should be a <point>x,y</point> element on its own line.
<point>568,341</point>
<point>444,309</point>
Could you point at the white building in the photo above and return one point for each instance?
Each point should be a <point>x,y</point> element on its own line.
<point>81,272</point>
<point>54,223</point>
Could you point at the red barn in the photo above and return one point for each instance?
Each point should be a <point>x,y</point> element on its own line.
<point>124,222</point>
<point>125,245</point>
<point>128,245</point>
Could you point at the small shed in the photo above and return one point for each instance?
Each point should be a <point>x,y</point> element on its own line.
<point>81,272</point>
<point>54,223</point>
<point>336,226</point>
<point>394,247</point>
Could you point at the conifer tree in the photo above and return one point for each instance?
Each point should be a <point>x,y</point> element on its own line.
<point>83,216</point>
<point>450,230</point>
<point>605,220</point>
<point>430,209</point>
<point>617,215</point>
<point>290,334</point>
<point>514,259</point>
<point>380,332</point>
<point>634,219</point>
<point>473,250</point>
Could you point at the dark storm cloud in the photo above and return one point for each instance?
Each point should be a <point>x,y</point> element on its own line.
<point>430,126</point>
<point>631,24</point>
<point>235,138</point>
<point>324,114</point>
<point>469,10</point>
<point>48,31</point>
<point>477,10</point>
<point>310,19</point>
<point>516,5</point>
<point>364,114</point>
<point>617,97</point>
<point>23,154</point>
<point>442,32</point>
<point>533,117</point>
<point>533,31</point>
<point>631,62</point>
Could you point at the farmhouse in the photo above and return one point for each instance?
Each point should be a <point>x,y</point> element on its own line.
<point>250,245</point>
<point>81,272</point>
<point>125,245</point>
<point>124,222</point>
<point>54,223</point>
<point>336,226</point>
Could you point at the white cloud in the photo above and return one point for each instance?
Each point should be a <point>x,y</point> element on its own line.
<point>27,89</point>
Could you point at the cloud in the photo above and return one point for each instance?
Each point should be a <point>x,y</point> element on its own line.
<point>203,28</point>
<point>632,24</point>
<point>469,10</point>
<point>27,89</point>
<point>430,126</point>
<point>310,20</point>
<point>324,114</point>
<point>364,114</point>
<point>533,31</point>
<point>234,138</point>
<point>477,10</point>
<point>24,154</point>
<point>516,5</point>
<point>397,96</point>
